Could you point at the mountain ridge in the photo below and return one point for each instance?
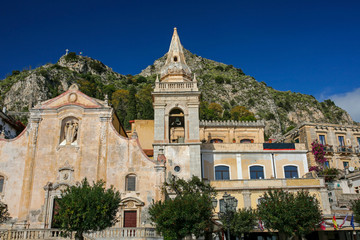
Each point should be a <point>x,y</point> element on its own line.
<point>219,83</point>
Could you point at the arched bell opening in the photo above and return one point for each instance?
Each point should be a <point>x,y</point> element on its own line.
<point>176,126</point>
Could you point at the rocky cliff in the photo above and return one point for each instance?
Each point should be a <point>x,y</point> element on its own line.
<point>131,95</point>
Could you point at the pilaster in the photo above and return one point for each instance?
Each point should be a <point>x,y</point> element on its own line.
<point>29,168</point>
<point>102,154</point>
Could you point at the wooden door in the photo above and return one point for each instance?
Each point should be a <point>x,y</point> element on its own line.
<point>55,212</point>
<point>129,218</point>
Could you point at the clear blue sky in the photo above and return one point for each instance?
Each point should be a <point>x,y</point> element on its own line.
<point>305,46</point>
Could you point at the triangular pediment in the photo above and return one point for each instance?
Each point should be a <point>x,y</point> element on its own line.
<point>73,96</point>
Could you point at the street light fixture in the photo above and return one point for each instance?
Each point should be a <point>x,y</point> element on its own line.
<point>228,206</point>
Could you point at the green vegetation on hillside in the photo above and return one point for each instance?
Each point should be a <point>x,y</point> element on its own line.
<point>227,93</point>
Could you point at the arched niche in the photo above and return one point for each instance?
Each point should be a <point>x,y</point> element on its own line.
<point>69,131</point>
<point>176,126</point>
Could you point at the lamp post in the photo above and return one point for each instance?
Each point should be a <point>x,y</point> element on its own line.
<point>228,206</point>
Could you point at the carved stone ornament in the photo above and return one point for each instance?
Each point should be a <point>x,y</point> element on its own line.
<point>74,87</point>
<point>72,97</point>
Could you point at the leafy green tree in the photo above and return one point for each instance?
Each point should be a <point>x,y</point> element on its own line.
<point>226,115</point>
<point>132,107</point>
<point>87,208</point>
<point>71,56</point>
<point>355,207</point>
<point>189,212</point>
<point>119,99</point>
<point>215,111</point>
<point>144,100</point>
<point>289,213</point>
<point>243,221</point>
<point>241,113</point>
<point>4,214</point>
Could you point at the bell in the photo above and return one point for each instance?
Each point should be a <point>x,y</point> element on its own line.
<point>177,121</point>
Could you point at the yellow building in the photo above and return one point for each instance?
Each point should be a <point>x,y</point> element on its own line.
<point>341,142</point>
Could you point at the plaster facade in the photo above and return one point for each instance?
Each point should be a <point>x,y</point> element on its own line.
<point>342,143</point>
<point>40,162</point>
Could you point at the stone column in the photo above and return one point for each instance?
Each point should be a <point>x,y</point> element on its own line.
<point>247,198</point>
<point>102,155</point>
<point>27,186</point>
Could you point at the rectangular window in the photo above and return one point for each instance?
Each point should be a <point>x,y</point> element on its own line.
<point>222,173</point>
<point>291,172</point>
<point>322,139</point>
<point>346,164</point>
<point>327,165</point>
<point>358,140</point>
<point>256,172</point>
<point>341,141</point>
<point>131,183</point>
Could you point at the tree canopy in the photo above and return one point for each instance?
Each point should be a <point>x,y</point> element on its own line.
<point>242,221</point>
<point>188,212</point>
<point>241,113</point>
<point>87,208</point>
<point>355,207</point>
<point>289,213</point>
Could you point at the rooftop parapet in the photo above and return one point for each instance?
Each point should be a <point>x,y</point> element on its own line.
<point>232,123</point>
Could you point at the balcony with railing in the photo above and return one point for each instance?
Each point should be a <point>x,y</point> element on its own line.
<point>328,149</point>
<point>175,86</point>
<point>344,149</point>
<point>357,150</point>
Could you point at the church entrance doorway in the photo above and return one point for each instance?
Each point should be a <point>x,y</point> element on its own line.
<point>130,218</point>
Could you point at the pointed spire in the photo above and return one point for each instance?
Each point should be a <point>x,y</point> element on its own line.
<point>175,53</point>
<point>157,78</point>
<point>194,80</point>
<point>175,64</point>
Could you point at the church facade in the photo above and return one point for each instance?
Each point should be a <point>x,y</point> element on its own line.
<point>74,136</point>
<point>69,138</point>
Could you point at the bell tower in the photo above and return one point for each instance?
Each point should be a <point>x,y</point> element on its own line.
<point>176,114</point>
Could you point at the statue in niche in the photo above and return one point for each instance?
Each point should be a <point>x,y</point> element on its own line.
<point>69,132</point>
<point>71,129</point>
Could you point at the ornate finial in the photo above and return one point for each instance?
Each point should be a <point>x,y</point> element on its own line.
<point>157,78</point>
<point>134,134</point>
<point>194,78</point>
<point>74,87</point>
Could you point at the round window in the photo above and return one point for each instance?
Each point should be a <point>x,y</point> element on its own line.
<point>177,169</point>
